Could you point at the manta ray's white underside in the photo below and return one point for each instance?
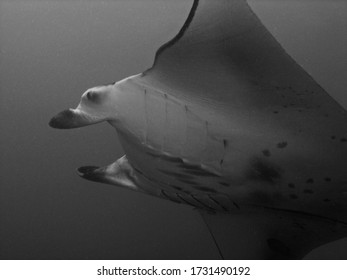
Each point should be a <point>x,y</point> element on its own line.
<point>227,122</point>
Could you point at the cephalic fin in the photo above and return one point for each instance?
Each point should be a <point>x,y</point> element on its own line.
<point>119,173</point>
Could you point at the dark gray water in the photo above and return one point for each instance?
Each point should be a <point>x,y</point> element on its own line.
<point>51,51</point>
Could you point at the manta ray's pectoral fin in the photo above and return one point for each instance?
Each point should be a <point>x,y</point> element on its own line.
<point>120,173</point>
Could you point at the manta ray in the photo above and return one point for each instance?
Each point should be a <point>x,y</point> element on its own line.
<point>227,122</point>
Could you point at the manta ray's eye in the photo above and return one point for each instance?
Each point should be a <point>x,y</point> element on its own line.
<point>90,95</point>
<point>93,96</point>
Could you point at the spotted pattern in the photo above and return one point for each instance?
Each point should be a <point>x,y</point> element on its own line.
<point>327,179</point>
<point>282,145</point>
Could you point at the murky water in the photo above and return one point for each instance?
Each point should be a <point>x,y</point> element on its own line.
<point>51,51</point>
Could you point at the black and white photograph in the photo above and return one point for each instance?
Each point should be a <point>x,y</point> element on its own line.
<point>173,130</point>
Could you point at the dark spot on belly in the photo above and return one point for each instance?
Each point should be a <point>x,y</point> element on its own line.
<point>225,143</point>
<point>275,112</point>
<point>326,200</point>
<point>263,171</point>
<point>343,139</point>
<point>327,179</point>
<point>333,137</point>
<point>293,196</point>
<point>279,247</point>
<point>282,145</point>
<point>309,181</point>
<point>266,153</point>
<point>224,184</point>
<point>291,185</point>
<point>207,189</point>
<point>308,191</point>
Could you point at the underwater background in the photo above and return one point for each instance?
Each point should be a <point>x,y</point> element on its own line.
<point>52,51</point>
